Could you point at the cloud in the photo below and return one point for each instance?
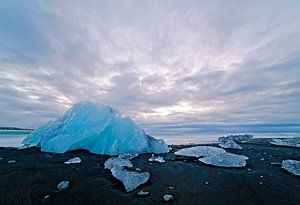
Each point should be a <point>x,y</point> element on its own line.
<point>157,61</point>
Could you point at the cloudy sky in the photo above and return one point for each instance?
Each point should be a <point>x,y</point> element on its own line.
<point>160,62</point>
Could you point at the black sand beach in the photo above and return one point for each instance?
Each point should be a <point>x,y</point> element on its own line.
<point>36,174</point>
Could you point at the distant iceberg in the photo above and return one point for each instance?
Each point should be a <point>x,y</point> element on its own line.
<point>231,141</point>
<point>236,138</point>
<point>100,129</point>
<point>230,144</point>
<point>292,142</point>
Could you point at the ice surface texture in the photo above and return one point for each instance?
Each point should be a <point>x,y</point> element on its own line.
<point>225,160</point>
<point>130,179</point>
<point>97,128</point>
<point>292,166</point>
<point>292,142</point>
<point>200,151</point>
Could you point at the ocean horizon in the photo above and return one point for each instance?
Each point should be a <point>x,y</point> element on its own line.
<point>184,134</point>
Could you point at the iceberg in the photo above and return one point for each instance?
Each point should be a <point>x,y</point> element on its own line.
<point>200,151</point>
<point>291,142</point>
<point>225,160</point>
<point>230,144</point>
<point>98,128</point>
<point>292,166</point>
<point>117,162</point>
<point>130,179</point>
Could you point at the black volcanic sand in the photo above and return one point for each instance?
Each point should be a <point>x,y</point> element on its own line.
<point>36,174</point>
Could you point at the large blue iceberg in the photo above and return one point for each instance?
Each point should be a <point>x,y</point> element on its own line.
<point>98,128</point>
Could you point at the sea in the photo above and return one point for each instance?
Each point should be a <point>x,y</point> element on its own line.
<point>14,138</point>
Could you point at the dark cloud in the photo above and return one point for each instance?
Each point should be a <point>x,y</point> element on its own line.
<point>157,61</point>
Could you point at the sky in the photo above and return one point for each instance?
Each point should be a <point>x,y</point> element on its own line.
<point>171,62</point>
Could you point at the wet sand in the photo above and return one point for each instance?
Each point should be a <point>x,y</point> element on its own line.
<point>36,174</point>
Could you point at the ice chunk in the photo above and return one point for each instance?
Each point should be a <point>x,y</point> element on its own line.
<point>236,138</point>
<point>63,185</point>
<point>25,147</point>
<point>75,160</point>
<point>117,162</point>
<point>130,179</point>
<point>291,142</point>
<point>292,166</point>
<point>168,197</point>
<point>225,160</point>
<point>97,128</point>
<point>200,151</point>
<point>275,164</point>
<point>143,193</point>
<point>154,158</point>
<point>230,144</point>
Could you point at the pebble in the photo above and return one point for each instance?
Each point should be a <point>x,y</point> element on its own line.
<point>168,197</point>
<point>138,169</point>
<point>206,183</point>
<point>49,156</point>
<point>260,182</point>
<point>262,159</point>
<point>11,161</point>
<point>171,187</point>
<point>46,197</point>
